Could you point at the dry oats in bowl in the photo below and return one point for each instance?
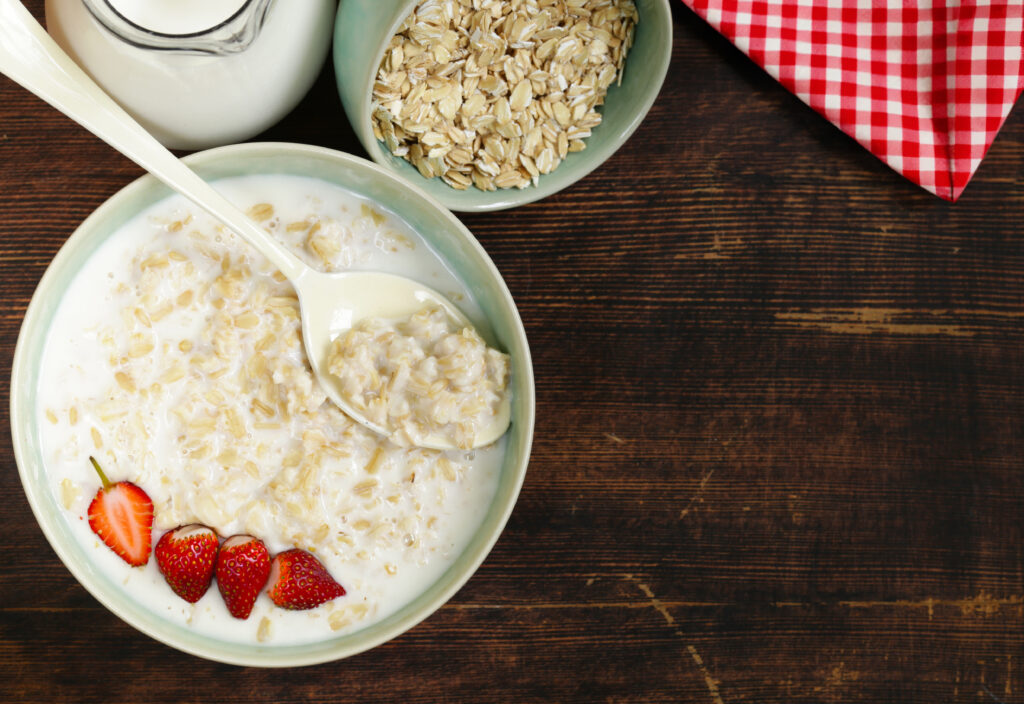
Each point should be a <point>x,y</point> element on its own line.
<point>490,104</point>
<point>163,346</point>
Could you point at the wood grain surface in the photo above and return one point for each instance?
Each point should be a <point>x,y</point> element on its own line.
<point>780,427</point>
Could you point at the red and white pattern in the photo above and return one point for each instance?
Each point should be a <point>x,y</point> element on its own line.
<point>923,85</point>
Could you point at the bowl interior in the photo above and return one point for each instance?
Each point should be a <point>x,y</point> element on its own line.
<point>446,235</point>
<point>625,106</point>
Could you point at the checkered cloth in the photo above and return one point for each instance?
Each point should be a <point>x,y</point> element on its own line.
<point>924,85</point>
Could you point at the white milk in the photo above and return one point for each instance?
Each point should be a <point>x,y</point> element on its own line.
<point>386,521</point>
<point>177,16</point>
<point>191,100</point>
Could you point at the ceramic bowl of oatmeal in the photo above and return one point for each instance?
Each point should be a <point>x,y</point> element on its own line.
<point>497,107</point>
<point>164,347</point>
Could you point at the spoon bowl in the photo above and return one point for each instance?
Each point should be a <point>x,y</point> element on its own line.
<point>329,303</point>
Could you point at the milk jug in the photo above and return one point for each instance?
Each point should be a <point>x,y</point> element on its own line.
<point>198,73</point>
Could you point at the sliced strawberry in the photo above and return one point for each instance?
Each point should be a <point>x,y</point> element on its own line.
<point>299,581</point>
<point>121,515</point>
<point>187,556</point>
<point>243,565</point>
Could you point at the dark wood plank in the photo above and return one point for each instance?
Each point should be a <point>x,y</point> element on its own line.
<point>779,439</point>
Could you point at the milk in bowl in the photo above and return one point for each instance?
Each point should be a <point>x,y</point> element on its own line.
<point>175,359</point>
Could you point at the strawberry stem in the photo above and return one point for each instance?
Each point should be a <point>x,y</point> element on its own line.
<point>99,470</point>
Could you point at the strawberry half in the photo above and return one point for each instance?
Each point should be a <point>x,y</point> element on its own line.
<point>187,556</point>
<point>121,515</point>
<point>243,565</point>
<point>299,581</point>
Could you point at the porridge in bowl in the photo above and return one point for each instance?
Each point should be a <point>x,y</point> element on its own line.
<point>176,360</point>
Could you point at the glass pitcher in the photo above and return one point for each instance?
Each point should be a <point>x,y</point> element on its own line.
<point>198,88</point>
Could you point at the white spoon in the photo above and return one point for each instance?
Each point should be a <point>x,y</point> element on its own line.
<point>330,303</point>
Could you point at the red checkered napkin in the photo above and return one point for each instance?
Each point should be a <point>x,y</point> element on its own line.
<point>923,85</point>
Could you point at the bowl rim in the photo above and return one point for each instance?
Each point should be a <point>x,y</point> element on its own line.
<point>427,602</point>
<point>501,199</point>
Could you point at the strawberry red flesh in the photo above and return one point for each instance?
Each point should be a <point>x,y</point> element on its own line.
<point>299,581</point>
<point>243,565</point>
<point>121,515</point>
<point>187,556</point>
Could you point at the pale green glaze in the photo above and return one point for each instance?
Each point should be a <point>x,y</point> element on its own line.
<point>362,32</point>
<point>439,227</point>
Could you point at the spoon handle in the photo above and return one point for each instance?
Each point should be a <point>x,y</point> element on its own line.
<point>30,57</point>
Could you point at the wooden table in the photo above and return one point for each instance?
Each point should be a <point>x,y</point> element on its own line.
<point>780,427</point>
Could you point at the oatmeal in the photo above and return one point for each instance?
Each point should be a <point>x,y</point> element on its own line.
<point>493,94</point>
<point>422,376</point>
<point>176,358</point>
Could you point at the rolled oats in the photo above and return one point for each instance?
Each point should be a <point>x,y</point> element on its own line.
<point>494,93</point>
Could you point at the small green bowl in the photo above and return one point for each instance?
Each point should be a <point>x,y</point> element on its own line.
<point>361,35</point>
<point>439,227</point>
